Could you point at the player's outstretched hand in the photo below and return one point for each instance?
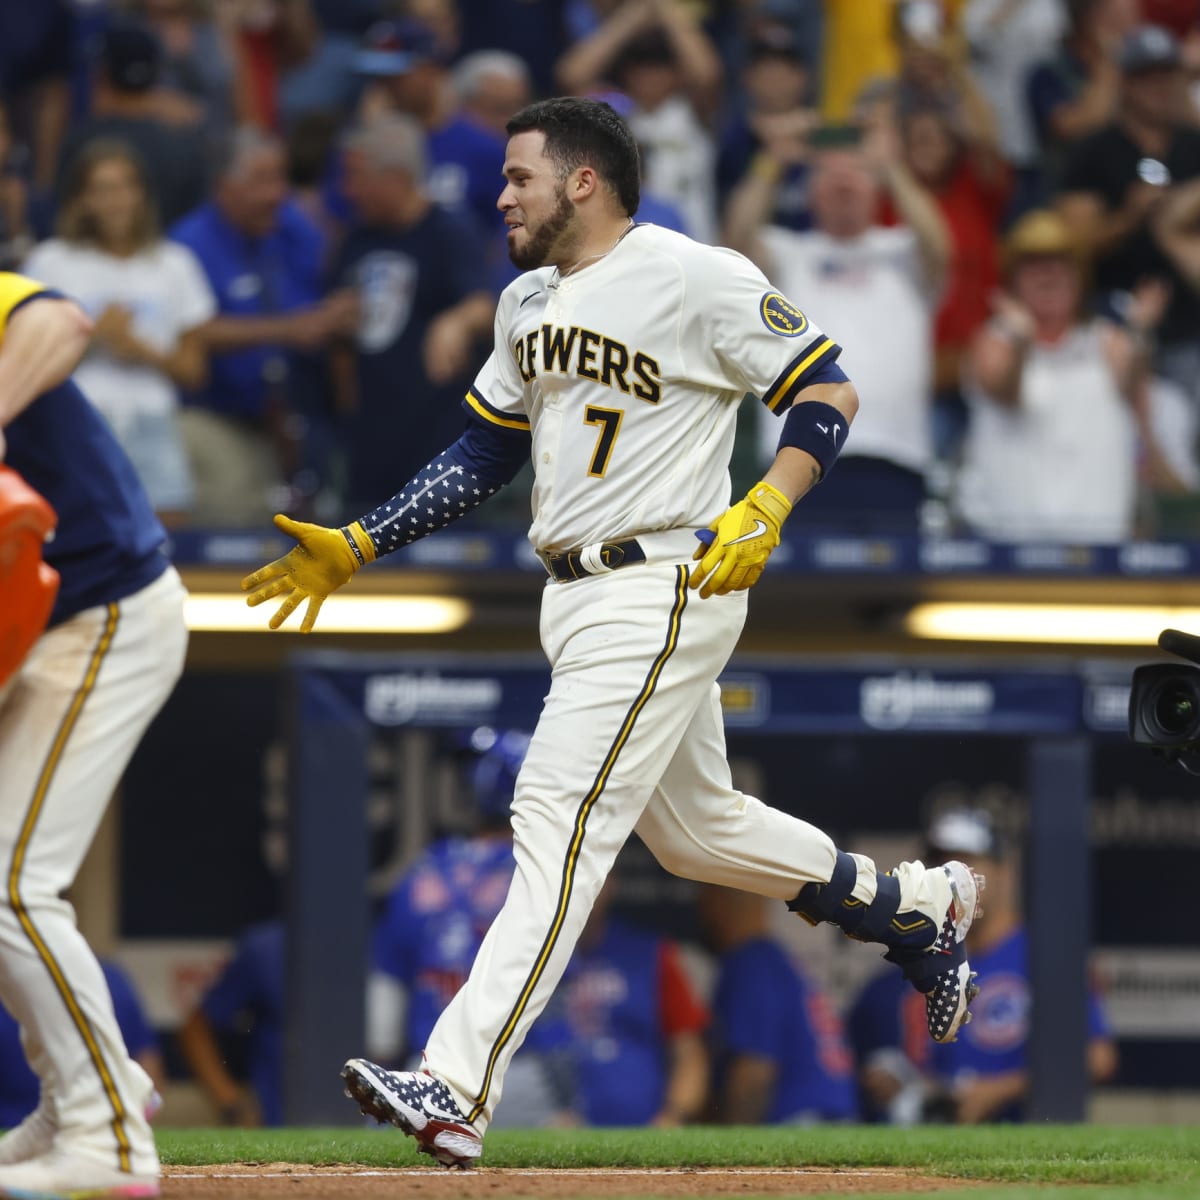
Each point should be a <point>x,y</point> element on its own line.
<point>735,547</point>
<point>318,564</point>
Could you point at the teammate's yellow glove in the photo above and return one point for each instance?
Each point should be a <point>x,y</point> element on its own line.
<point>318,565</point>
<point>735,547</point>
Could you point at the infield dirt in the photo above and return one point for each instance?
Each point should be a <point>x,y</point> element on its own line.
<point>233,1182</point>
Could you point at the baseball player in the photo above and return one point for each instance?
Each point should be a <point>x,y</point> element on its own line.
<point>69,720</point>
<point>620,358</point>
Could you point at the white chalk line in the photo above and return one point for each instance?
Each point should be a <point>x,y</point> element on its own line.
<point>532,1172</point>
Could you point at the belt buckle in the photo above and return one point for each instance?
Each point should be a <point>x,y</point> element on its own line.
<point>552,560</point>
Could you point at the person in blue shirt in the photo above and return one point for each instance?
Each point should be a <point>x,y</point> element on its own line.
<point>415,269</point>
<point>983,1075</point>
<point>779,1051</point>
<point>247,997</point>
<point>19,1089</point>
<point>462,116</point>
<point>435,919</point>
<point>70,719</point>
<point>636,1026</point>
<point>264,260</point>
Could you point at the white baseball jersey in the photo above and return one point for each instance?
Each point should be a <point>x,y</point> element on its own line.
<point>628,375</point>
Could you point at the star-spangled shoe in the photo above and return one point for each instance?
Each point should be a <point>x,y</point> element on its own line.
<point>949,987</point>
<point>418,1104</point>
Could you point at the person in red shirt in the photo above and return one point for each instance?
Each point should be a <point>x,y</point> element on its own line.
<point>970,182</point>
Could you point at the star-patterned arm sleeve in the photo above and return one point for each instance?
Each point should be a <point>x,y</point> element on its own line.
<point>459,479</point>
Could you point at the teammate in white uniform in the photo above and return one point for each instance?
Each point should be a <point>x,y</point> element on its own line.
<point>619,363</point>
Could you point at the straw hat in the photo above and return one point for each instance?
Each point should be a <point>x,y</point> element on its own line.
<point>1041,233</point>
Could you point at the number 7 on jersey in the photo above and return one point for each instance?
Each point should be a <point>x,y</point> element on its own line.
<point>609,420</point>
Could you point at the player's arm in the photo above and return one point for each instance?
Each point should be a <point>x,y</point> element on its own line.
<point>734,549</point>
<point>461,478</point>
<point>200,1049</point>
<point>1176,228</point>
<point>682,1020</point>
<point>687,1080</point>
<point>748,1090</point>
<point>44,337</point>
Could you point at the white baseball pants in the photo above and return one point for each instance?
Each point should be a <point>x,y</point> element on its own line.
<point>69,722</point>
<point>630,737</point>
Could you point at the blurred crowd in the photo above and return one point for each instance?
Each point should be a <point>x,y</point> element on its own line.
<point>281,216</point>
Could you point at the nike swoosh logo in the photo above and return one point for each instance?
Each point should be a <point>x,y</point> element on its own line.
<point>760,527</point>
<point>440,1114</point>
<point>528,298</point>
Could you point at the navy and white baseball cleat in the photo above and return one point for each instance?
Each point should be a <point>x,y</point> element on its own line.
<point>417,1104</point>
<point>948,998</point>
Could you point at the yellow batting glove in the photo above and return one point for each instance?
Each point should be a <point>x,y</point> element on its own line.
<point>319,564</point>
<point>736,546</point>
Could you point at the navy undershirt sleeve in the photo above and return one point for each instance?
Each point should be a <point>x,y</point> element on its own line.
<point>827,372</point>
<point>458,480</point>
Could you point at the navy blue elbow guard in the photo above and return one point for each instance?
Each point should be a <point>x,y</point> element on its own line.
<point>815,427</point>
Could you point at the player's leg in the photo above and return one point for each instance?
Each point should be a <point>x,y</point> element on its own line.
<point>632,655</point>
<point>67,729</point>
<point>699,826</point>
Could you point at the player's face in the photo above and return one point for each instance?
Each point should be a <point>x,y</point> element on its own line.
<point>540,217</point>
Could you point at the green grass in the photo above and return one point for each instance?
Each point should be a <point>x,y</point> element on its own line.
<point>1035,1154</point>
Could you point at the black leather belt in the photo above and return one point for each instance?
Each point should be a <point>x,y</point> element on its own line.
<point>565,565</point>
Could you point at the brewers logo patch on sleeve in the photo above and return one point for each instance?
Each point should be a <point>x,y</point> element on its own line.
<point>781,316</point>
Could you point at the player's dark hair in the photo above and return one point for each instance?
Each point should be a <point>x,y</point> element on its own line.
<point>581,132</point>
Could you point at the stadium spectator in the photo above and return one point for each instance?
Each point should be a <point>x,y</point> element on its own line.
<point>636,1026</point>
<point>409,76</point>
<point>148,298</point>
<point>126,106</point>
<point>311,149</point>
<point>657,55</point>
<point>19,1089</point>
<point>1006,41</point>
<point>247,998</point>
<point>1057,399</point>
<point>768,133</point>
<point>1116,178</point>
<point>269,39</point>
<point>490,86</point>
<point>198,72</point>
<point>264,262</point>
<point>1074,93</point>
<point>436,917</point>
<point>779,1053</point>
<point>36,46</point>
<point>415,269</point>
<point>879,287</point>
<point>982,1076</point>
<point>16,235</point>
<point>962,169</point>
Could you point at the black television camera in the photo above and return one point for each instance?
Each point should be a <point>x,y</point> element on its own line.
<point>1164,703</point>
